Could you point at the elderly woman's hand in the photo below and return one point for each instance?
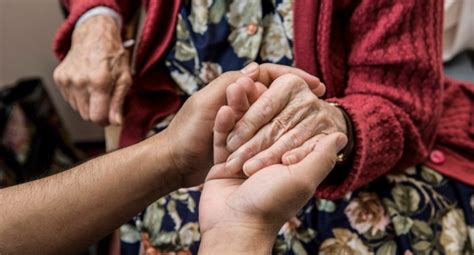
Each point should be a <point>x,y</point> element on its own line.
<point>243,215</point>
<point>95,75</point>
<point>283,125</point>
<point>190,133</point>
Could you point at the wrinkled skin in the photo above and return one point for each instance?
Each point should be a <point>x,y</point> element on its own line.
<point>192,150</point>
<point>283,125</point>
<point>95,76</point>
<point>232,203</point>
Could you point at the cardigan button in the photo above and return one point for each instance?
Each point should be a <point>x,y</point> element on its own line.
<point>437,157</point>
<point>252,28</point>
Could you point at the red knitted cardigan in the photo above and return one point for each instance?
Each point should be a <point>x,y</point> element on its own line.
<point>380,60</point>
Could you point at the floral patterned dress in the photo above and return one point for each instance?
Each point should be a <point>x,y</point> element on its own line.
<point>418,211</point>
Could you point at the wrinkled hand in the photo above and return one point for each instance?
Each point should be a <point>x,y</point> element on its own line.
<point>249,208</point>
<point>283,125</point>
<point>190,134</point>
<point>95,75</point>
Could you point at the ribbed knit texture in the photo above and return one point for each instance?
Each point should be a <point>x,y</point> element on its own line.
<point>455,135</point>
<point>380,60</point>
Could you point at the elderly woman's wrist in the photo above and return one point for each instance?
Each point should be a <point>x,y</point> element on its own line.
<point>104,25</point>
<point>347,152</point>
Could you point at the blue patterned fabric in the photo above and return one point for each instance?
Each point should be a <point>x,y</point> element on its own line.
<point>218,36</point>
<point>418,211</point>
<point>415,212</point>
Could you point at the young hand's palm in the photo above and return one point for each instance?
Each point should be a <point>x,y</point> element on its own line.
<point>268,198</point>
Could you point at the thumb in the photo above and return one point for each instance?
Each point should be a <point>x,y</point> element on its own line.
<point>317,165</point>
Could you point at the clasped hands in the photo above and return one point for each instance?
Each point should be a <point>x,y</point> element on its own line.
<point>274,141</point>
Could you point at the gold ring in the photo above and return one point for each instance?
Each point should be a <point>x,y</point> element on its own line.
<point>340,157</point>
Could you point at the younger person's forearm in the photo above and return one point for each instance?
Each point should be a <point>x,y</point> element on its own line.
<point>85,203</point>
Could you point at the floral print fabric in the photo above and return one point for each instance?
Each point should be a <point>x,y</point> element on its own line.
<point>418,211</point>
<point>215,36</point>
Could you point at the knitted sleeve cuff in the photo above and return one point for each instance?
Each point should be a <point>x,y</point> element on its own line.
<point>378,145</point>
<point>100,10</point>
<point>62,39</point>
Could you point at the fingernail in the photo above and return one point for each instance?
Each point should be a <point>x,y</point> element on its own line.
<point>251,167</point>
<point>341,142</point>
<point>250,68</point>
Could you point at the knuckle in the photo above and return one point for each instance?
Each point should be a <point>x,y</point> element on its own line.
<point>127,79</point>
<point>326,126</point>
<point>293,80</point>
<point>309,100</point>
<point>123,86</point>
<point>57,75</point>
<point>244,127</point>
<point>232,88</point>
<point>305,149</point>
<point>271,157</point>
<point>101,79</point>
<point>308,104</point>
<point>120,92</point>
<point>324,116</point>
<point>293,141</point>
<point>265,107</point>
<point>60,79</point>
<point>79,82</point>
<point>248,152</point>
<point>278,127</point>
<point>321,125</point>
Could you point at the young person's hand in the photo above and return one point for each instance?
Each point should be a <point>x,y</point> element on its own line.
<point>190,134</point>
<point>241,215</point>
